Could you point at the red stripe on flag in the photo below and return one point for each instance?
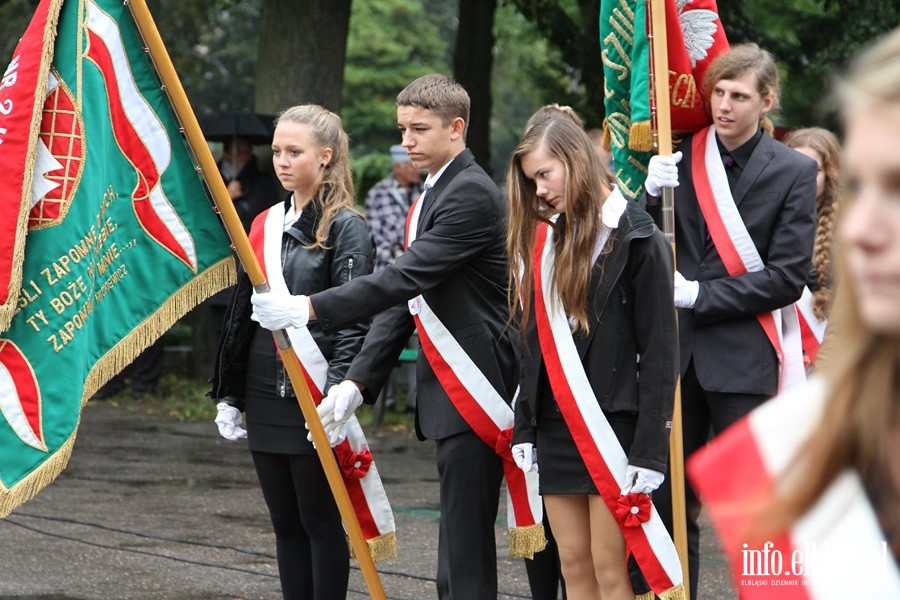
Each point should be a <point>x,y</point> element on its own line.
<point>137,153</point>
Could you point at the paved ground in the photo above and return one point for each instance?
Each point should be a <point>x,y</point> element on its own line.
<point>153,509</point>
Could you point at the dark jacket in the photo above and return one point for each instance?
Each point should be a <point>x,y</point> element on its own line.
<point>630,354</point>
<point>776,198</point>
<point>349,253</point>
<point>458,264</point>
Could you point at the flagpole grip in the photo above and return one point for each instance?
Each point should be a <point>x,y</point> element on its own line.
<point>244,251</point>
<point>660,84</point>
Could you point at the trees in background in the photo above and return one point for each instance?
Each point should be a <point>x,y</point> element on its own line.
<point>513,55</point>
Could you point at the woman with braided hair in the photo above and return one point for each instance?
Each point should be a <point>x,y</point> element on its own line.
<point>822,146</point>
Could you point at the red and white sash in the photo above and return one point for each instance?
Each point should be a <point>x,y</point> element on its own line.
<point>812,330</point>
<point>835,551</point>
<point>485,411</point>
<point>604,457</point>
<point>739,254</point>
<point>358,469</point>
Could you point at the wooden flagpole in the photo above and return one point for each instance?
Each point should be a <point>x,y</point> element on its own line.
<point>659,79</point>
<point>248,259</point>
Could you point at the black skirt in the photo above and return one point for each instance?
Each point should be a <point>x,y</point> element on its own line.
<point>274,423</point>
<point>561,470</point>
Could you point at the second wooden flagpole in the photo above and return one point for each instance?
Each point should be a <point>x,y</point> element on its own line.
<point>248,259</point>
<point>660,82</point>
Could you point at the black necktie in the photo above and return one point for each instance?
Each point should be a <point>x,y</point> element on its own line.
<point>727,160</point>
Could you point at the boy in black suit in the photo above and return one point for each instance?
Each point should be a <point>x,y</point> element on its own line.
<point>729,365</point>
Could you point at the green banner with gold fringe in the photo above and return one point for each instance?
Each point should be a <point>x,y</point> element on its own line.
<point>121,238</point>
<point>627,131</point>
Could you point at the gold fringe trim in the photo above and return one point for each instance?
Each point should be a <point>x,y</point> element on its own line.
<point>383,547</point>
<point>641,137</point>
<point>215,278</point>
<point>28,488</point>
<point>675,593</point>
<point>525,541</point>
<point>647,596</point>
<point>8,308</point>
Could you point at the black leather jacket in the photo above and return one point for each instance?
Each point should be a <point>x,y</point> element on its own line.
<point>349,253</point>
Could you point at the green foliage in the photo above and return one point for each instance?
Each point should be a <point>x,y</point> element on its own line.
<point>176,396</point>
<point>812,41</point>
<point>391,43</point>
<point>368,170</point>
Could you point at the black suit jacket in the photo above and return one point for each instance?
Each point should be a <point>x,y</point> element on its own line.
<point>776,198</point>
<point>458,263</point>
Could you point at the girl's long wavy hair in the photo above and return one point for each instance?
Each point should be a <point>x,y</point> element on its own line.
<point>336,190</point>
<point>862,409</point>
<point>588,183</point>
<point>826,145</point>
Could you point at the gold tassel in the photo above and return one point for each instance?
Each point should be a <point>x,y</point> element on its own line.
<point>525,541</point>
<point>606,141</point>
<point>675,593</point>
<point>641,137</point>
<point>647,596</point>
<point>383,547</point>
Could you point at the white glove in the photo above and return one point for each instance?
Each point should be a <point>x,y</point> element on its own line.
<point>662,171</point>
<point>336,409</point>
<point>228,421</point>
<point>685,291</point>
<point>278,310</point>
<point>525,456</point>
<point>639,480</point>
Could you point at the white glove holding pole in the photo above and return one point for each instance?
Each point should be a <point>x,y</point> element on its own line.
<point>662,171</point>
<point>229,420</point>
<point>279,310</point>
<point>336,409</point>
<point>525,456</point>
<point>640,480</point>
<point>685,291</point>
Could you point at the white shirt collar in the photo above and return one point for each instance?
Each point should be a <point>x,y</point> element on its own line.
<point>432,179</point>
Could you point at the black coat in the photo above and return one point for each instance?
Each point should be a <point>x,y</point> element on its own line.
<point>630,354</point>
<point>349,253</point>
<point>776,198</point>
<point>458,263</point>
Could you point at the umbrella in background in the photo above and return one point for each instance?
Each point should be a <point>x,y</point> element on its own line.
<point>222,126</point>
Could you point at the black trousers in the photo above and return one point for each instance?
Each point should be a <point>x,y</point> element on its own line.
<point>704,414</point>
<point>470,473</point>
<point>312,551</point>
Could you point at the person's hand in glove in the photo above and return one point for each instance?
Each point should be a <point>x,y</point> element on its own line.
<point>228,420</point>
<point>279,310</point>
<point>640,480</point>
<point>685,291</point>
<point>662,171</point>
<point>336,409</point>
<point>525,456</point>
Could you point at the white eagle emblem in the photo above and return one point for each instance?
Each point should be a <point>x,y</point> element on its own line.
<point>698,26</point>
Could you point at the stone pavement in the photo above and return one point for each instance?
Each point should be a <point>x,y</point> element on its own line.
<point>153,509</point>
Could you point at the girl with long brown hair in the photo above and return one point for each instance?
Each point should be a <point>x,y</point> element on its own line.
<point>591,276</point>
